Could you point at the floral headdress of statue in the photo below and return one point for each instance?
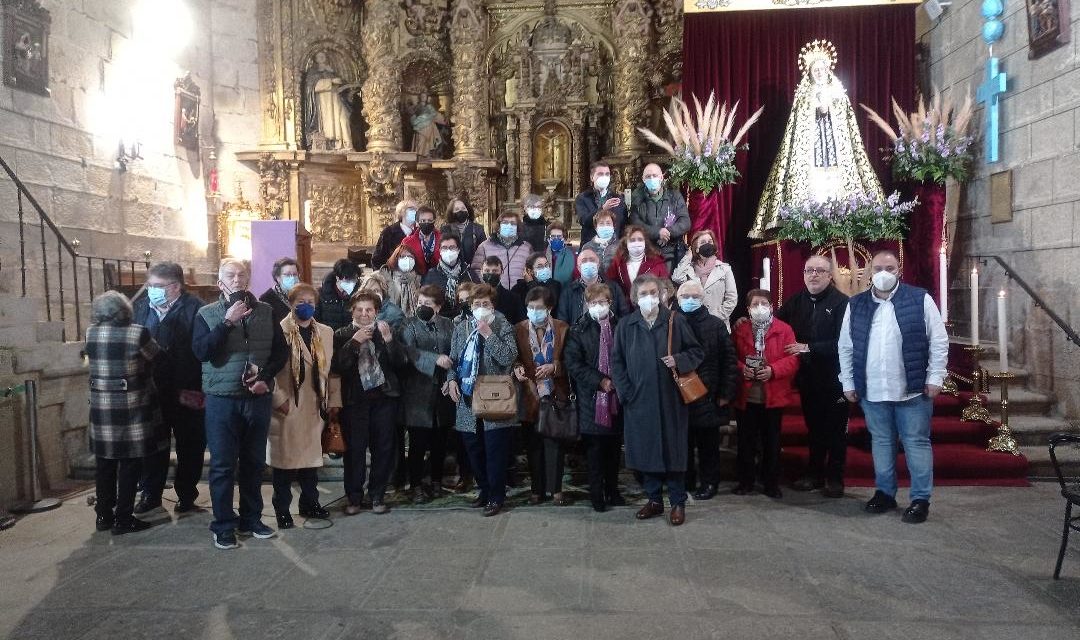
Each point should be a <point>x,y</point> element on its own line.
<point>816,50</point>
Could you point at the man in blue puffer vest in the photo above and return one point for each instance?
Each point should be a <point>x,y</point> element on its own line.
<point>893,352</point>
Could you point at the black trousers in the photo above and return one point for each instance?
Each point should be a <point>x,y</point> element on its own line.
<point>546,462</point>
<point>488,453</point>
<point>827,423</point>
<point>602,465</point>
<point>189,433</point>
<point>429,442</point>
<point>703,461</point>
<point>759,433</point>
<point>369,424</point>
<point>309,488</point>
<point>117,480</point>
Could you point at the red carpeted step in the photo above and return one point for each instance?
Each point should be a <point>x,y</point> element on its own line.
<point>943,430</point>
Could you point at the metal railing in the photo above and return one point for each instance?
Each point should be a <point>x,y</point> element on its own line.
<point>1036,299</point>
<point>109,274</point>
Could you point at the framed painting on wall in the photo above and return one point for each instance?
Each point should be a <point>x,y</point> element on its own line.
<point>26,46</point>
<point>1048,26</point>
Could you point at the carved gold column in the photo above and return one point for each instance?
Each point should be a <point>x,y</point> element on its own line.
<point>380,179</point>
<point>525,151</point>
<point>270,80</point>
<point>632,23</point>
<point>382,87</point>
<point>468,29</point>
<point>512,162</point>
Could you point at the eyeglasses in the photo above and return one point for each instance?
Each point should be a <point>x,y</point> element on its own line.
<point>815,271</point>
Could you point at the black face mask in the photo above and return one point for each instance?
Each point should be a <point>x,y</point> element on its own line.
<point>492,279</point>
<point>427,227</point>
<point>461,216</point>
<point>707,250</point>
<point>242,296</point>
<point>425,313</point>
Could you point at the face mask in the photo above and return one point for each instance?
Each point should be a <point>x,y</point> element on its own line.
<point>241,296</point>
<point>507,230</point>
<point>537,316</point>
<point>492,278</point>
<point>288,282</point>
<point>406,264</point>
<point>348,286</point>
<point>461,216</point>
<point>589,270</point>
<point>652,184</point>
<point>760,313</point>
<point>410,216</point>
<point>449,256</point>
<point>482,313</point>
<point>556,244</point>
<point>304,311</point>
<point>465,307</point>
<point>425,313</point>
<point>884,281</point>
<point>636,248</point>
<point>648,304</point>
<point>156,295</point>
<point>543,274</point>
<point>599,311</point>
<point>427,227</point>
<point>534,212</point>
<point>605,232</point>
<point>689,305</point>
<point>707,250</point>
<point>602,182</point>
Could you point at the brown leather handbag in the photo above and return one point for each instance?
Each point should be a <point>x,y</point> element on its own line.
<point>690,385</point>
<point>332,440</point>
<point>494,398</point>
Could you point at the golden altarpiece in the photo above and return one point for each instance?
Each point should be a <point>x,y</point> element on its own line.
<point>366,102</point>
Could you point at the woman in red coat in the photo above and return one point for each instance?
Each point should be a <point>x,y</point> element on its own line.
<point>424,243</point>
<point>767,376</point>
<point>635,257</point>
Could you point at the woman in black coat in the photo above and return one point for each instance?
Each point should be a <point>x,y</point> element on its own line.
<point>720,375</point>
<point>654,415</point>
<point>587,357</point>
<point>461,222</point>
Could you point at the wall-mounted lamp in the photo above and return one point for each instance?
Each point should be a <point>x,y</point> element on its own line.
<point>126,153</point>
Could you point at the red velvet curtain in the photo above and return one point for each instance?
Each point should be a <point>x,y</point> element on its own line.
<point>752,56</point>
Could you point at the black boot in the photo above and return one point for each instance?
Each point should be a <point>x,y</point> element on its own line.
<point>130,525</point>
<point>706,492</point>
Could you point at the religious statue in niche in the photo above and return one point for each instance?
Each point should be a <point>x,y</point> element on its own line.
<point>428,125</point>
<point>1045,21</point>
<point>186,112</point>
<point>26,46</point>
<point>329,103</point>
<point>551,151</point>
<point>821,154</point>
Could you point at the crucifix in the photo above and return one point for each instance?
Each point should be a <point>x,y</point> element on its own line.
<point>989,92</point>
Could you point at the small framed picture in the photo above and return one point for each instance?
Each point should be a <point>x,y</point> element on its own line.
<point>1048,26</point>
<point>26,46</point>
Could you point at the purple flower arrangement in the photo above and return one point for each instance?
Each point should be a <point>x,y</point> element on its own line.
<point>854,218</point>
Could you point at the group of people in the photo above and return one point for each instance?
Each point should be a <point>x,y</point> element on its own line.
<point>632,333</point>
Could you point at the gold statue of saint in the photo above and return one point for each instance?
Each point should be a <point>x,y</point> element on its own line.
<point>552,153</point>
<point>821,155</point>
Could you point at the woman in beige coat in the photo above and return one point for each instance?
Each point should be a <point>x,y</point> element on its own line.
<point>304,393</point>
<point>703,265</point>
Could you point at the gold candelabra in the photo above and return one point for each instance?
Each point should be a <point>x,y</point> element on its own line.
<point>1003,441</point>
<point>976,410</point>
<point>948,385</point>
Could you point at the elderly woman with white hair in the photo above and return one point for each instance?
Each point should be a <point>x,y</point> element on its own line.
<point>125,421</point>
<point>533,223</point>
<point>392,235</point>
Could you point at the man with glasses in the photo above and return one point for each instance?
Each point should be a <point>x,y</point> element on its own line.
<point>893,352</point>
<point>816,314</point>
<point>168,312</point>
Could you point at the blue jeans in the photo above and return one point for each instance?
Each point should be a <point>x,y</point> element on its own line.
<point>676,486</point>
<point>236,431</point>
<point>910,420</point>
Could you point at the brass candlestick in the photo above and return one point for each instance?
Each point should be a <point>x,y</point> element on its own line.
<point>948,385</point>
<point>976,410</point>
<point>1004,441</point>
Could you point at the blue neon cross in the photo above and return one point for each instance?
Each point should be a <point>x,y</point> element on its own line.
<point>989,93</point>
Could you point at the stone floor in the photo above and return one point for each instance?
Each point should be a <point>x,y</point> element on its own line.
<point>804,568</point>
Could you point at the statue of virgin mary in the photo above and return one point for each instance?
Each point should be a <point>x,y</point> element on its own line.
<point>821,155</point>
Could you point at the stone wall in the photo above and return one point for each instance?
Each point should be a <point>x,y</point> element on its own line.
<point>1040,144</point>
<point>64,146</point>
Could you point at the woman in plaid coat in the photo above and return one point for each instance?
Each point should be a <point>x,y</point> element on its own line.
<point>125,420</point>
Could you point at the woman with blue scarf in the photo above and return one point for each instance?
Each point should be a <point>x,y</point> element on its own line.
<point>482,345</point>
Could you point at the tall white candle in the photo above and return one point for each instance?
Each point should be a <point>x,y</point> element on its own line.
<point>943,284</point>
<point>626,198</point>
<point>1003,332</point>
<point>974,283</point>
<point>766,273</point>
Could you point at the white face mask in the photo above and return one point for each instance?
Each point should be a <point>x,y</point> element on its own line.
<point>760,313</point>
<point>648,304</point>
<point>599,311</point>
<point>534,212</point>
<point>636,248</point>
<point>602,182</point>
<point>406,264</point>
<point>449,256</point>
<point>348,286</point>
<point>884,281</point>
<point>482,314</point>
